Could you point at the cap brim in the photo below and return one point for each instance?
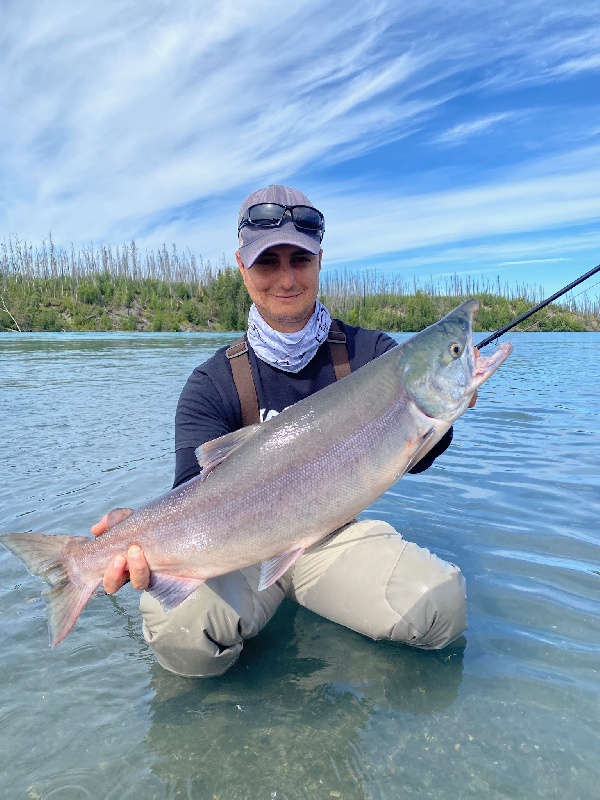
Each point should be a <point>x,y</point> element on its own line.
<point>287,233</point>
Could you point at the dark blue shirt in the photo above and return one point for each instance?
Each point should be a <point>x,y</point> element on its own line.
<point>209,406</point>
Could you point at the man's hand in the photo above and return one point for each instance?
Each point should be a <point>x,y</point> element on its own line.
<point>132,568</point>
<point>474,398</point>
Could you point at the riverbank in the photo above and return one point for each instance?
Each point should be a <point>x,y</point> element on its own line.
<point>103,303</point>
<point>51,289</point>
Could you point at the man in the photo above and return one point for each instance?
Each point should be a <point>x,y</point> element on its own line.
<point>365,575</point>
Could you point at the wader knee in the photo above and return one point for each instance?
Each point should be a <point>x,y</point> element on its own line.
<point>431,607</point>
<point>181,642</point>
<point>205,635</point>
<point>370,579</point>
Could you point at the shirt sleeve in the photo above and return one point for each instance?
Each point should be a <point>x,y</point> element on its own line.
<point>203,413</point>
<point>384,343</point>
<point>186,465</point>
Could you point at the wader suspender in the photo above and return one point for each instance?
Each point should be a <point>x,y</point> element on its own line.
<point>237,354</point>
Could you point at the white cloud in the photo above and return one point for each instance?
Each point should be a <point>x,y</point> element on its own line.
<point>531,261</point>
<point>464,130</point>
<point>573,66</point>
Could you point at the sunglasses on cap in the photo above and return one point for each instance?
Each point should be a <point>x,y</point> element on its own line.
<point>270,215</point>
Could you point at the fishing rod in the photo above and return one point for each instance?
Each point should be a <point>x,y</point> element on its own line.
<point>531,311</point>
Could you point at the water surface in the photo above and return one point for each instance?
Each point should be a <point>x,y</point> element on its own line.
<point>311,710</point>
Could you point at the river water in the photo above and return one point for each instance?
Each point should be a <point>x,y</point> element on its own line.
<point>311,710</point>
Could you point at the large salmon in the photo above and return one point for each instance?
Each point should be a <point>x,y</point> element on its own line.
<point>269,491</point>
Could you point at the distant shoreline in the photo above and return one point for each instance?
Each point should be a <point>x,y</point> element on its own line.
<point>149,305</point>
<point>151,311</point>
<point>106,289</point>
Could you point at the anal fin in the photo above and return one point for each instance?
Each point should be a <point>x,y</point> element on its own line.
<point>275,567</point>
<point>171,591</point>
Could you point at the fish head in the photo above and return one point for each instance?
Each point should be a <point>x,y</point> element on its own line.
<point>441,369</point>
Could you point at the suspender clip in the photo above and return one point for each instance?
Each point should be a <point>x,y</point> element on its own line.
<point>237,349</point>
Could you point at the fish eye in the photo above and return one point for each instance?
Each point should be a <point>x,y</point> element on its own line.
<point>455,350</point>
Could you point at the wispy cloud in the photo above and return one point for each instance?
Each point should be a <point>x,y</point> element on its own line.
<point>573,66</point>
<point>463,130</point>
<point>530,261</point>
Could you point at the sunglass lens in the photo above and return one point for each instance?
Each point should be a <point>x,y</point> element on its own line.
<point>308,218</point>
<point>265,214</point>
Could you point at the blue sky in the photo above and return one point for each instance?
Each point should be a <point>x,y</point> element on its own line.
<point>437,138</point>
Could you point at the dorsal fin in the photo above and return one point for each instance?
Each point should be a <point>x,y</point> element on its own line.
<point>211,454</point>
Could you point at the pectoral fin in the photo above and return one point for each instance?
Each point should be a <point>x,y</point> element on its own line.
<point>423,448</point>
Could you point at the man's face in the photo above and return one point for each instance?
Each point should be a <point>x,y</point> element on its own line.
<point>283,284</point>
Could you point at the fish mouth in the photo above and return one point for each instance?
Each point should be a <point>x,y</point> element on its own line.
<point>487,365</point>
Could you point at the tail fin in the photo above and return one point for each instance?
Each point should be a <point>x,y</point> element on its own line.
<point>44,556</point>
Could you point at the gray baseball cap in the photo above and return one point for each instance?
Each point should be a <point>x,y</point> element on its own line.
<point>254,240</point>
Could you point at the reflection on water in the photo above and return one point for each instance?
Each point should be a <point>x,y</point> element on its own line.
<point>310,710</point>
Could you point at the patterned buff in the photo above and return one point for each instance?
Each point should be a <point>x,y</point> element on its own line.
<point>288,351</point>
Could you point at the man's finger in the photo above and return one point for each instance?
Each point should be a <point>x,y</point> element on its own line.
<point>139,572</point>
<point>110,520</point>
<point>100,527</point>
<point>116,575</point>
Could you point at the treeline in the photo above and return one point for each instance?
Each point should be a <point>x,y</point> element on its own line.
<point>103,289</point>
